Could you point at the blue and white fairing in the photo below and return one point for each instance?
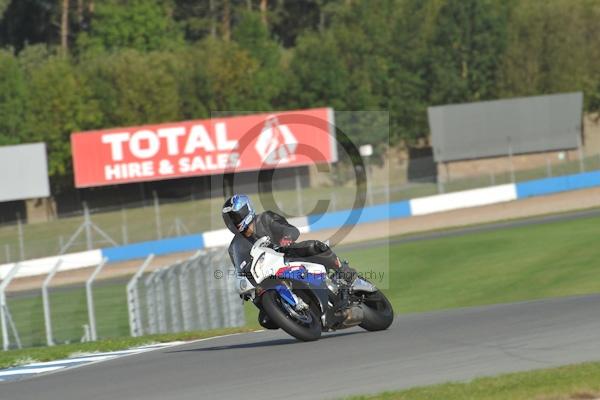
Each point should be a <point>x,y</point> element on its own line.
<point>270,270</point>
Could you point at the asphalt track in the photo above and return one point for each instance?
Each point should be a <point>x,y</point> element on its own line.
<point>419,349</point>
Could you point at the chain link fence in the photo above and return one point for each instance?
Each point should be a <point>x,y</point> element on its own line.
<point>193,294</point>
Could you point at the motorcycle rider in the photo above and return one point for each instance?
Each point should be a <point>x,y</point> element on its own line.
<point>247,226</point>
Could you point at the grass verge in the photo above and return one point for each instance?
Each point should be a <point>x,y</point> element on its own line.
<point>16,357</point>
<point>579,381</point>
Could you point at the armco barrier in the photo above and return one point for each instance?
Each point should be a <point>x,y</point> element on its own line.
<point>559,184</point>
<point>377,213</point>
<point>464,199</point>
<point>40,266</point>
<point>156,247</point>
<point>382,212</point>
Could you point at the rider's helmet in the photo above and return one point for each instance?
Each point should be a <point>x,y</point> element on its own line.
<point>238,213</point>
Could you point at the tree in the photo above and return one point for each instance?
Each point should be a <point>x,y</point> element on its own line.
<point>59,104</point>
<point>253,36</point>
<point>410,74</point>
<point>467,51</point>
<point>12,100</point>
<point>134,88</point>
<point>3,6</point>
<point>29,22</point>
<point>550,48</point>
<point>231,73</point>
<point>318,75</point>
<point>144,25</point>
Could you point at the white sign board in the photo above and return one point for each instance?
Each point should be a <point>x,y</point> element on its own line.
<point>23,172</point>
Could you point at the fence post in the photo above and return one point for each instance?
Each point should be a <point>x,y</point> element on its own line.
<point>201,296</point>
<point>510,159</point>
<point>580,149</point>
<point>133,300</point>
<point>157,216</point>
<point>124,226</point>
<point>90,299</point>
<point>299,193</point>
<point>174,298</point>
<point>21,238</point>
<point>3,307</point>
<point>46,303</point>
<point>151,302</point>
<point>88,227</point>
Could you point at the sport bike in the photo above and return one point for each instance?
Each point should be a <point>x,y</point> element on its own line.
<point>304,300</point>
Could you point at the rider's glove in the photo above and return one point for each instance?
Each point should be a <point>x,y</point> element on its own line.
<point>285,241</point>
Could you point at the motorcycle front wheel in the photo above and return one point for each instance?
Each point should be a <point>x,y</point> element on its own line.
<point>378,311</point>
<point>303,325</point>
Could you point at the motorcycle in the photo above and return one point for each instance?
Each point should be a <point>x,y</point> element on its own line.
<point>303,300</point>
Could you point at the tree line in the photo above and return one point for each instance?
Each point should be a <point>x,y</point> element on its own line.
<point>71,65</point>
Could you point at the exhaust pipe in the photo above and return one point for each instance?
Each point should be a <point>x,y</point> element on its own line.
<point>353,316</point>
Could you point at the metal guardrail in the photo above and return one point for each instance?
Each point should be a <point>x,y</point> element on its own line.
<point>194,294</point>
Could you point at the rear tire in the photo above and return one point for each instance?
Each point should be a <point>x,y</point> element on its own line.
<point>379,314</point>
<point>306,331</point>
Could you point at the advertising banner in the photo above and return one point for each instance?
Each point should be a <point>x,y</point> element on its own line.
<point>203,147</point>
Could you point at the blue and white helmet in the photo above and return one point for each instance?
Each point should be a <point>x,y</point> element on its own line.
<point>238,213</point>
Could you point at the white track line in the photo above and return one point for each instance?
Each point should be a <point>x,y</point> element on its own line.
<point>93,358</point>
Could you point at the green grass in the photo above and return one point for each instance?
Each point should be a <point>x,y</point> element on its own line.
<point>506,265</point>
<point>16,357</point>
<point>580,381</point>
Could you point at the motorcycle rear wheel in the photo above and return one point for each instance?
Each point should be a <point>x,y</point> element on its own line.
<point>304,326</point>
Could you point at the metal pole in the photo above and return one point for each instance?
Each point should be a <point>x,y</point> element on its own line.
<point>46,302</point>
<point>172,281</point>
<point>124,226</point>
<point>580,149</point>
<point>88,227</point>
<point>90,299</point>
<point>184,287</point>
<point>334,200</point>
<point>133,300</point>
<point>548,167</point>
<point>368,175</point>
<point>299,193</point>
<point>510,159</point>
<point>151,306</point>
<point>157,215</point>
<point>124,234</point>
<point>21,239</point>
<point>5,282</point>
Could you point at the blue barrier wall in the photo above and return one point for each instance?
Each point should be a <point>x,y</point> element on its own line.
<point>559,184</point>
<point>360,216</point>
<point>156,247</point>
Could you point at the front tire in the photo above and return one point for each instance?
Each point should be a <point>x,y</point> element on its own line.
<point>378,311</point>
<point>307,328</point>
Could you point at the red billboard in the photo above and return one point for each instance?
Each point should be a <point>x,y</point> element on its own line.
<point>203,147</point>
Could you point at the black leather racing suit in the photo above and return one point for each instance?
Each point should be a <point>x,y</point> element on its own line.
<point>277,227</point>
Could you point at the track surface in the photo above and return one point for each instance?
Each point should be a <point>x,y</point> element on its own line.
<point>419,349</point>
